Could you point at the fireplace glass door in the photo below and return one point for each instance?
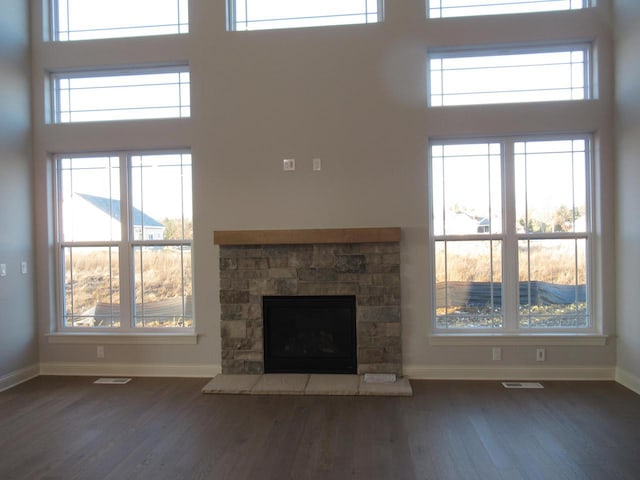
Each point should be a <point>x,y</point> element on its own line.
<point>304,334</point>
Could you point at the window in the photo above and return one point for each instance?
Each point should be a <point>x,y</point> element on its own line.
<point>516,75</point>
<point>272,14</point>
<point>511,234</point>
<point>137,94</point>
<point>467,8</point>
<point>124,241</point>
<point>93,19</point>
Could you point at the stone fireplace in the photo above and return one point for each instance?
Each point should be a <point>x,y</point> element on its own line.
<point>364,263</point>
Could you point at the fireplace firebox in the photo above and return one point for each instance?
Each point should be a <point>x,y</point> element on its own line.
<point>310,334</point>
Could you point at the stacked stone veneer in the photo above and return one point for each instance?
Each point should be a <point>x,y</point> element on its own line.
<point>370,271</point>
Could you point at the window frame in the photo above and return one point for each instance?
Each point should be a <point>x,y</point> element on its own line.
<point>54,90</point>
<point>232,22</point>
<point>429,8</point>
<point>512,49</point>
<point>510,239</point>
<point>54,25</point>
<point>126,246</point>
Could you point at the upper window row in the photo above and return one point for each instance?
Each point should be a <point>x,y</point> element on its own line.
<point>457,77</point>
<point>95,19</point>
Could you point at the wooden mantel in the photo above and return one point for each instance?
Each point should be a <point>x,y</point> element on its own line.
<point>307,236</point>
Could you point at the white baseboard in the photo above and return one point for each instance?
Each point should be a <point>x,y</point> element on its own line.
<point>450,372</point>
<point>12,379</point>
<point>456,372</point>
<point>628,380</point>
<point>130,370</point>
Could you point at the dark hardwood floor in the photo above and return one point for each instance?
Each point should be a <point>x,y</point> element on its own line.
<point>68,428</point>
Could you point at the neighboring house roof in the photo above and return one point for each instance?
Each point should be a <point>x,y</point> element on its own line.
<point>484,222</point>
<point>112,208</point>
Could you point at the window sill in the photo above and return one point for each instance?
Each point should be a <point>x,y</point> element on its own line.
<point>123,338</point>
<point>539,339</point>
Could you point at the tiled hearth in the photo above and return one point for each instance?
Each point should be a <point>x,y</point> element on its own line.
<point>304,384</point>
<point>360,262</point>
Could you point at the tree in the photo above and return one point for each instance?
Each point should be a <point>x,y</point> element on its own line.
<point>173,228</point>
<point>564,217</point>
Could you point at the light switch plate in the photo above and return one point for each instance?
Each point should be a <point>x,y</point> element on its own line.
<point>289,164</point>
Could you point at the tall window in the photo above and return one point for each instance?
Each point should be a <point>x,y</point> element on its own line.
<point>467,8</point>
<point>511,234</point>
<point>114,95</point>
<point>532,74</point>
<point>94,19</point>
<point>124,241</point>
<point>272,14</point>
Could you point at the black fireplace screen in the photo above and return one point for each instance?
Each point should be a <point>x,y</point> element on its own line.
<point>306,334</point>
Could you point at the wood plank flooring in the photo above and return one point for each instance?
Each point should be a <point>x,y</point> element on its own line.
<point>66,428</point>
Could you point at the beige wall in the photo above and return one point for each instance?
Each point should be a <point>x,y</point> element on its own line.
<point>18,347</point>
<point>627,87</point>
<point>353,96</point>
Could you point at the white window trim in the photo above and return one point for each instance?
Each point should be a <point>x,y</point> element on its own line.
<point>515,49</point>
<point>527,339</point>
<point>126,243</point>
<point>112,338</point>
<point>511,333</point>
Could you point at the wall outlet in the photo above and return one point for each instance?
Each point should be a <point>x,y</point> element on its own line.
<point>541,355</point>
<point>496,353</point>
<point>100,351</point>
<point>23,267</point>
<point>3,269</point>
<point>317,164</point>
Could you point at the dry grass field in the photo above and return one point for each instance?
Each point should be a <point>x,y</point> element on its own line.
<point>564,264</point>
<point>474,272</point>
<point>163,278</point>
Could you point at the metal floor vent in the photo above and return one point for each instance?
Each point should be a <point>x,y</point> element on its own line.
<point>522,385</point>
<point>113,381</point>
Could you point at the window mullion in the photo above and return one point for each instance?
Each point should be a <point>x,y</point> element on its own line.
<point>60,270</point>
<point>588,87</point>
<point>510,284</point>
<point>126,253</point>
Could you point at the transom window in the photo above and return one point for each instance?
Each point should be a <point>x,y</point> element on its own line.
<point>511,234</point>
<point>467,8</point>
<point>272,14</point>
<point>515,75</point>
<point>124,241</point>
<point>94,19</point>
<point>126,95</point>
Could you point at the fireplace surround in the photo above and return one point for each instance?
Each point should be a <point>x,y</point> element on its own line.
<point>363,263</point>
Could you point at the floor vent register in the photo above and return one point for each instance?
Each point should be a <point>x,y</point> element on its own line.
<point>112,381</point>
